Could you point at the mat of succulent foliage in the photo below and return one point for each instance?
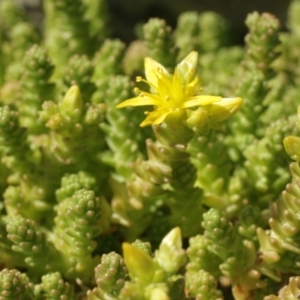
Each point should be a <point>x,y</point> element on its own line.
<point>166,169</point>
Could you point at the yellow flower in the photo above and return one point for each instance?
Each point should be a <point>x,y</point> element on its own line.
<point>170,95</point>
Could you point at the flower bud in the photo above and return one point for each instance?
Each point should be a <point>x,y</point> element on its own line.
<point>170,255</point>
<point>224,109</point>
<point>157,291</point>
<point>292,146</point>
<point>72,103</point>
<point>197,119</point>
<point>139,264</point>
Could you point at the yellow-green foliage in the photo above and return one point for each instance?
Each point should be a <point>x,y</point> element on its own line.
<point>194,195</point>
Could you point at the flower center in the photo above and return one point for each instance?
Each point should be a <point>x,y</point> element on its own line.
<point>168,91</point>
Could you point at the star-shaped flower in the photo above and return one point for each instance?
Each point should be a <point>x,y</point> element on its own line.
<point>170,94</point>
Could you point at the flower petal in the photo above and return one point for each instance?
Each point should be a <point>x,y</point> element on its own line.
<point>187,67</point>
<point>177,91</point>
<point>139,101</point>
<point>156,117</point>
<point>151,71</point>
<point>200,100</point>
<point>225,109</point>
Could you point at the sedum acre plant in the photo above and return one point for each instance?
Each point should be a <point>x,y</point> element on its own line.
<point>183,187</point>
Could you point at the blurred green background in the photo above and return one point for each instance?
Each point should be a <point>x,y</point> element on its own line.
<point>126,14</point>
